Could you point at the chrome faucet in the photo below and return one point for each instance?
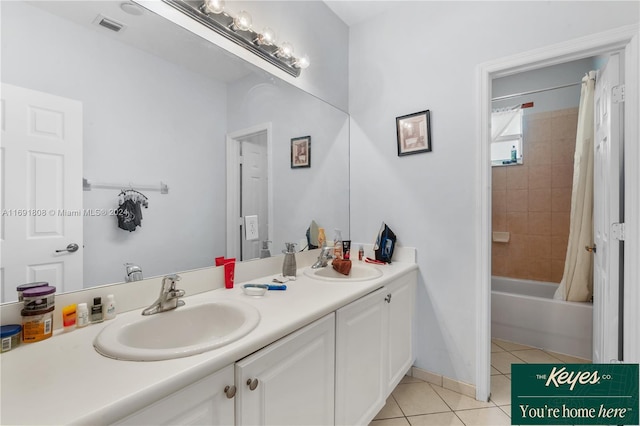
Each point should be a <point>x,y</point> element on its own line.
<point>326,254</point>
<point>169,296</point>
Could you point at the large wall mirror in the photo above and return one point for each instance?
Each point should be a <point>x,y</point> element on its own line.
<point>151,103</point>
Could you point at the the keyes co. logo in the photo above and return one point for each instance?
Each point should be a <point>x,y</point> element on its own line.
<point>561,376</point>
<point>596,394</point>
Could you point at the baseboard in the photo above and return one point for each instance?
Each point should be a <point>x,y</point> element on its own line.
<point>445,382</point>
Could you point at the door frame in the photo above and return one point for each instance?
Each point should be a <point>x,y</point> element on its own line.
<point>620,39</point>
<point>233,183</point>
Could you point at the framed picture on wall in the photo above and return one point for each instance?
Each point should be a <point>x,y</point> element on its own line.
<point>301,152</point>
<point>414,133</point>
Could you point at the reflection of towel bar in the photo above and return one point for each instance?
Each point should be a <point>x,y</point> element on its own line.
<point>87,186</point>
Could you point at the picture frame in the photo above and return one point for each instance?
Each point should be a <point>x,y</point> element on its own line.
<point>414,133</point>
<point>301,152</point>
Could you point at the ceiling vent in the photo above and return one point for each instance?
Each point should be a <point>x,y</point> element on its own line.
<point>109,23</point>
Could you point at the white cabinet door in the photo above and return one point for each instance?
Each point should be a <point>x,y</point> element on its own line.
<point>202,403</point>
<point>361,342</point>
<point>290,382</point>
<point>401,302</point>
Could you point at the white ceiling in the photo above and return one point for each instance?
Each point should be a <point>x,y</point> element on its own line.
<point>353,12</point>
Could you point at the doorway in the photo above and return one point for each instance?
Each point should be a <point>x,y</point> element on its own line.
<point>622,39</point>
<point>249,194</point>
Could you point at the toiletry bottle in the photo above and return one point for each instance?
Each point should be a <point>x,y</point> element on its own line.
<point>361,253</point>
<point>514,154</point>
<point>337,241</point>
<point>69,317</point>
<point>110,307</point>
<point>322,239</point>
<point>289,265</point>
<point>82,319</point>
<point>264,252</point>
<point>96,310</point>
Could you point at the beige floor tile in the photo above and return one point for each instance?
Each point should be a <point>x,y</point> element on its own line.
<point>536,356</point>
<point>410,379</point>
<point>496,348</point>
<point>568,358</point>
<point>418,398</point>
<point>390,410</point>
<point>484,417</point>
<point>457,401</point>
<point>494,371</point>
<point>439,419</point>
<point>400,421</point>
<point>502,361</point>
<point>506,409</point>
<point>510,346</point>
<point>500,390</point>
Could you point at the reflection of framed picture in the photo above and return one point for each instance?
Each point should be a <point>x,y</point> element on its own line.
<point>414,133</point>
<point>301,152</point>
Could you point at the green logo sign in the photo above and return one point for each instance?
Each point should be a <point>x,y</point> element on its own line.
<point>574,394</point>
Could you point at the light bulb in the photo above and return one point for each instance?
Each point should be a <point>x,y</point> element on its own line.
<point>285,50</point>
<point>267,37</point>
<point>213,6</point>
<point>242,21</point>
<point>302,62</point>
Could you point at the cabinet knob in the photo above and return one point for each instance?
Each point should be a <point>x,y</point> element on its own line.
<point>388,298</point>
<point>230,391</point>
<point>253,384</point>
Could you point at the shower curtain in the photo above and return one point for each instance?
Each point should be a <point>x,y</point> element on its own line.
<point>577,280</point>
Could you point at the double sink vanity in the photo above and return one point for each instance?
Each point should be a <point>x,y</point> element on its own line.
<point>327,350</point>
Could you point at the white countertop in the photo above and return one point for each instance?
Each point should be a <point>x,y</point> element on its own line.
<point>63,380</point>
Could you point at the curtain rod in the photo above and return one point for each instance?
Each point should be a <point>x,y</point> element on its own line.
<point>515,95</point>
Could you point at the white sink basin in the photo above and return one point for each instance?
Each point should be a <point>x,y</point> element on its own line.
<point>359,272</point>
<point>185,331</point>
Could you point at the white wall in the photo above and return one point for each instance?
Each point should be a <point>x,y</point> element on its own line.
<point>145,120</point>
<point>319,193</point>
<point>423,55</point>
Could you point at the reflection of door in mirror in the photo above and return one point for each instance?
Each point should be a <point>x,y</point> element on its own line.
<point>42,206</point>
<point>248,190</point>
<point>253,190</point>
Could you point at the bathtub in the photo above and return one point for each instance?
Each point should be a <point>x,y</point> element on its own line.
<point>525,312</point>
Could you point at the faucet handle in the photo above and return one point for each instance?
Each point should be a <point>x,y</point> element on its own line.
<point>172,281</point>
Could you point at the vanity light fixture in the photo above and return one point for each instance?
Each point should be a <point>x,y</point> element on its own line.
<point>238,28</point>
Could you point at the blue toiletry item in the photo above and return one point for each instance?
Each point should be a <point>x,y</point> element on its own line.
<point>277,287</point>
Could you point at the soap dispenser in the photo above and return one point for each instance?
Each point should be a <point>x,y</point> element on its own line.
<point>265,250</point>
<point>289,265</point>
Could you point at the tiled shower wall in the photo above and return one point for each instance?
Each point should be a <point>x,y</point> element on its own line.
<point>532,201</point>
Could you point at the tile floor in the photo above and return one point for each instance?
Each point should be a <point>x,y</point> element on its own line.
<point>415,402</point>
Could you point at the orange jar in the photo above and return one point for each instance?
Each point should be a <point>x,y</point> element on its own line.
<point>37,325</point>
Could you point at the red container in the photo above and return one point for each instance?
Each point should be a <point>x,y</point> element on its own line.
<point>229,272</point>
<point>220,261</point>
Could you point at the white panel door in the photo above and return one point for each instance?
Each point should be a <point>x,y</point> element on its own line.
<point>41,190</point>
<point>255,191</point>
<point>607,176</point>
<point>291,381</point>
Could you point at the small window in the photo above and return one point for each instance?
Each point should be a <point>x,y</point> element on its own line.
<point>506,136</point>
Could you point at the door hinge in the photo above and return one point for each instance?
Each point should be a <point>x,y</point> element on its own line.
<point>240,159</point>
<point>617,231</point>
<point>617,94</point>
